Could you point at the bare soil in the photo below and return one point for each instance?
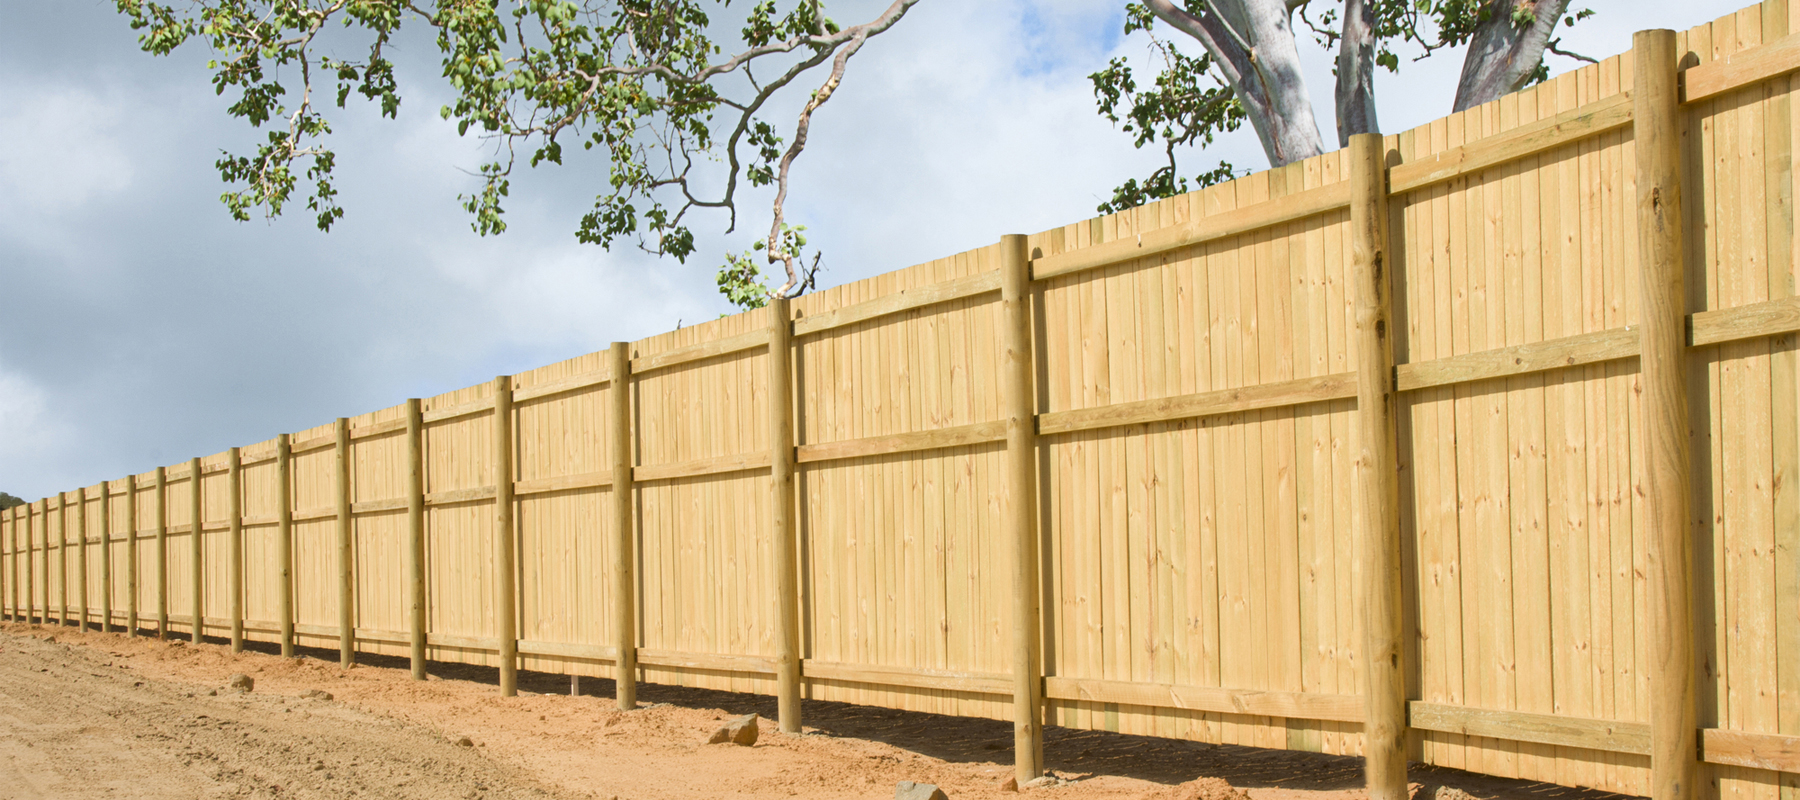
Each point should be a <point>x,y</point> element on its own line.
<point>90,715</point>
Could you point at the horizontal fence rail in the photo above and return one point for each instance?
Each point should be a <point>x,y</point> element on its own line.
<point>841,497</point>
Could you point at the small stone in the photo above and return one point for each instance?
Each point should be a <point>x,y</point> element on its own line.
<point>50,640</point>
<point>907,790</point>
<point>240,682</point>
<point>464,741</point>
<point>1011,784</point>
<point>740,731</point>
<point>316,694</point>
<point>1040,782</point>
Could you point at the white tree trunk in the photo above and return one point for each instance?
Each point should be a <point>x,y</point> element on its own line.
<point>1253,43</point>
<point>1503,55</point>
<point>1356,74</point>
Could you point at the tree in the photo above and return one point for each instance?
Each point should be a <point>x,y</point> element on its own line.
<point>643,81</point>
<point>8,501</point>
<point>1249,71</point>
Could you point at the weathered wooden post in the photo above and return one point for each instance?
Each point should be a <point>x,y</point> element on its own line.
<point>346,549</point>
<point>234,487</point>
<point>131,555</point>
<point>623,562</point>
<point>196,547</point>
<point>781,523</point>
<point>506,602</point>
<point>106,579</point>
<point>162,553</point>
<point>1377,473</point>
<point>415,534</point>
<point>1019,405</point>
<point>1656,122</point>
<point>81,556</point>
<point>284,535</point>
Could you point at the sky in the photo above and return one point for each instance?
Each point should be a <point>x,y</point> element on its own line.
<point>141,326</point>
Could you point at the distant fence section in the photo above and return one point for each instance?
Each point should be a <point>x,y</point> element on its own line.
<point>1358,443</point>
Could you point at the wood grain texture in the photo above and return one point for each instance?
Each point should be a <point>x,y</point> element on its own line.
<point>1212,227</point>
<point>1605,115</point>
<point>1587,734</point>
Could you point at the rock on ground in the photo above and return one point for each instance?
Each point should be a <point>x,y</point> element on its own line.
<point>740,731</point>
<point>240,682</point>
<point>907,790</point>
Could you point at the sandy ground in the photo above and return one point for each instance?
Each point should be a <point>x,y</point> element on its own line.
<point>90,715</point>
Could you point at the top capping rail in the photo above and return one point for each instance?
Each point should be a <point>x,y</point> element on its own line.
<point>560,386</point>
<point>1212,227</point>
<point>701,351</point>
<point>1593,119</point>
<point>1741,69</point>
<point>464,410</point>
<point>903,300</point>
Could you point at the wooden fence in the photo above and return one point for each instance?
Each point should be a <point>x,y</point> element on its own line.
<point>1189,467</point>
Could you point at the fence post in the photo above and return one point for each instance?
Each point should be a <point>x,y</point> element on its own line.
<point>40,578</point>
<point>106,557</point>
<point>62,559</point>
<point>196,547</point>
<point>1377,475</point>
<point>624,582</point>
<point>1019,405</point>
<point>506,605</point>
<point>346,547</point>
<point>81,556</point>
<point>782,528</point>
<point>234,478</point>
<point>9,594</point>
<point>284,535</point>
<point>30,580</point>
<point>131,555</point>
<point>1656,124</point>
<point>415,533</point>
<point>162,553</point>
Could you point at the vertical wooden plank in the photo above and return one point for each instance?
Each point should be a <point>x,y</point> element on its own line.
<point>1020,409</point>
<point>284,538</point>
<point>505,540</point>
<point>106,616</point>
<point>781,516</point>
<point>81,555</point>
<point>346,548</point>
<point>1784,372</point>
<point>10,566</point>
<point>1673,765</point>
<point>415,535</point>
<point>1377,475</point>
<point>234,482</point>
<point>624,529</point>
<point>196,520</point>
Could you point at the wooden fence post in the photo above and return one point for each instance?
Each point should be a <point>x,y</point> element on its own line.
<point>506,586</point>
<point>346,549</point>
<point>106,580</point>
<point>9,585</point>
<point>1019,405</point>
<point>782,528</point>
<point>131,555</point>
<point>415,534</point>
<point>1377,483</point>
<point>234,472</point>
<point>162,553</point>
<point>37,565</point>
<point>62,558</point>
<point>284,535</point>
<point>81,557</point>
<point>196,547</point>
<point>624,582</point>
<point>30,580</point>
<point>1656,122</point>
